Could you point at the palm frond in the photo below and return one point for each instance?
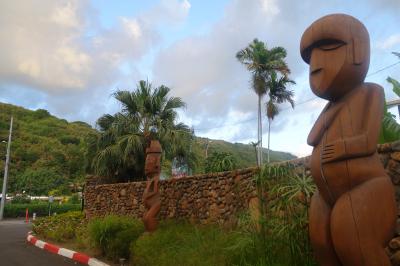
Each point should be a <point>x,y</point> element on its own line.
<point>396,85</point>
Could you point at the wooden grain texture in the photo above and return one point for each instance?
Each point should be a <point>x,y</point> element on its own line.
<point>353,215</point>
<point>151,195</point>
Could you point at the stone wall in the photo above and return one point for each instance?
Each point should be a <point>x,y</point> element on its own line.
<point>390,157</point>
<point>204,198</point>
<point>201,198</point>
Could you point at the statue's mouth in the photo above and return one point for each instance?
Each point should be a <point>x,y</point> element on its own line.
<point>316,71</point>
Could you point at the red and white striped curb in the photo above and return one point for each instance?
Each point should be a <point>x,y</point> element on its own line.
<point>76,256</point>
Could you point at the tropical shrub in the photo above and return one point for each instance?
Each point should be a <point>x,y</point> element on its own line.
<point>284,198</point>
<point>390,128</point>
<point>61,227</point>
<point>113,235</point>
<point>21,199</point>
<point>15,210</point>
<point>74,199</point>
<point>220,162</point>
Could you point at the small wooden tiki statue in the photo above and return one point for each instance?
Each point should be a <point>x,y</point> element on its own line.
<point>353,213</point>
<point>151,195</point>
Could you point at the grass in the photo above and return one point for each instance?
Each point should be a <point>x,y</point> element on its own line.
<point>180,243</point>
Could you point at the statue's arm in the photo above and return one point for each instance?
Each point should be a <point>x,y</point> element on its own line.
<point>363,144</point>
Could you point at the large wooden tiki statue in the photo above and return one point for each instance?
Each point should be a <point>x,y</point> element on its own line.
<point>352,216</point>
<point>151,195</point>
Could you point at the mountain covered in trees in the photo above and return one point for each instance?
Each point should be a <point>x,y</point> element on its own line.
<point>52,155</point>
<point>47,153</point>
<point>244,154</point>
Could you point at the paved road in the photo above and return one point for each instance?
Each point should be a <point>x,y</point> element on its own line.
<point>14,250</point>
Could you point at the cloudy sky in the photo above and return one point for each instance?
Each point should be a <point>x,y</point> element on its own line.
<point>69,56</point>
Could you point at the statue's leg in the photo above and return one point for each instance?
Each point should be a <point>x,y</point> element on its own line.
<point>362,223</point>
<point>320,235</point>
<point>151,217</point>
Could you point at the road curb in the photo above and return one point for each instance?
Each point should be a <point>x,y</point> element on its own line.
<point>76,256</point>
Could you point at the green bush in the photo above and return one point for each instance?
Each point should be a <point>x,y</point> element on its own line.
<point>21,199</point>
<point>113,235</point>
<point>184,244</point>
<point>14,210</point>
<point>60,227</point>
<point>74,199</point>
<point>284,194</point>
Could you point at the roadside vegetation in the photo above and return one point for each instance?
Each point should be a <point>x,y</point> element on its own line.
<point>278,235</point>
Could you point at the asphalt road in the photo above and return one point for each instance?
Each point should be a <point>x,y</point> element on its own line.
<point>15,251</point>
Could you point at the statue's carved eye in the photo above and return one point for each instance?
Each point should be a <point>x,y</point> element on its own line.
<point>330,46</point>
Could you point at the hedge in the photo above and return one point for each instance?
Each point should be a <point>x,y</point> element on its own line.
<point>41,209</point>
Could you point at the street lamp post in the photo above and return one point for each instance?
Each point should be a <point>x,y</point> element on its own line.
<point>4,191</point>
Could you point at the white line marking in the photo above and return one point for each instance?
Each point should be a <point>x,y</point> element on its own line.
<point>66,252</point>
<point>40,244</point>
<point>94,262</point>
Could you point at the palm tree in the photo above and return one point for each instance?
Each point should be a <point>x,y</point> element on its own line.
<point>390,130</point>
<point>146,113</point>
<point>277,94</point>
<point>261,62</point>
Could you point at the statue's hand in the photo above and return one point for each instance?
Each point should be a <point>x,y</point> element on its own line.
<point>333,151</point>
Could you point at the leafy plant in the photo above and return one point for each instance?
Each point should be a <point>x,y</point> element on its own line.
<point>41,209</point>
<point>60,227</point>
<point>74,199</point>
<point>114,234</point>
<point>21,199</point>
<point>284,196</point>
<point>220,162</point>
<point>390,128</point>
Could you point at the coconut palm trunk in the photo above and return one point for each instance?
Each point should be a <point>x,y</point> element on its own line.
<point>269,134</point>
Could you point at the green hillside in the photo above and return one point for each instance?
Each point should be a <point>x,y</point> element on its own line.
<point>244,153</point>
<point>49,154</point>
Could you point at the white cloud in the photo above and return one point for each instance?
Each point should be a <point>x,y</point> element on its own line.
<point>66,15</point>
<point>132,26</point>
<point>203,69</point>
<point>390,42</point>
<point>58,48</point>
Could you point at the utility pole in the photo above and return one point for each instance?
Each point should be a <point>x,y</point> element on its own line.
<point>4,191</point>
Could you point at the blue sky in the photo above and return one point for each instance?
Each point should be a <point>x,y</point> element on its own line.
<point>69,56</point>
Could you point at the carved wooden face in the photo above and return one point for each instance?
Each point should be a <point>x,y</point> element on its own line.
<point>327,60</point>
<point>152,164</point>
<point>337,49</point>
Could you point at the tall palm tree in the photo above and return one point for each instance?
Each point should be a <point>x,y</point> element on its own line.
<point>278,94</point>
<point>262,62</point>
<point>146,113</point>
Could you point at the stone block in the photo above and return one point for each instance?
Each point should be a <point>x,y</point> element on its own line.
<point>395,156</point>
<point>395,145</point>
